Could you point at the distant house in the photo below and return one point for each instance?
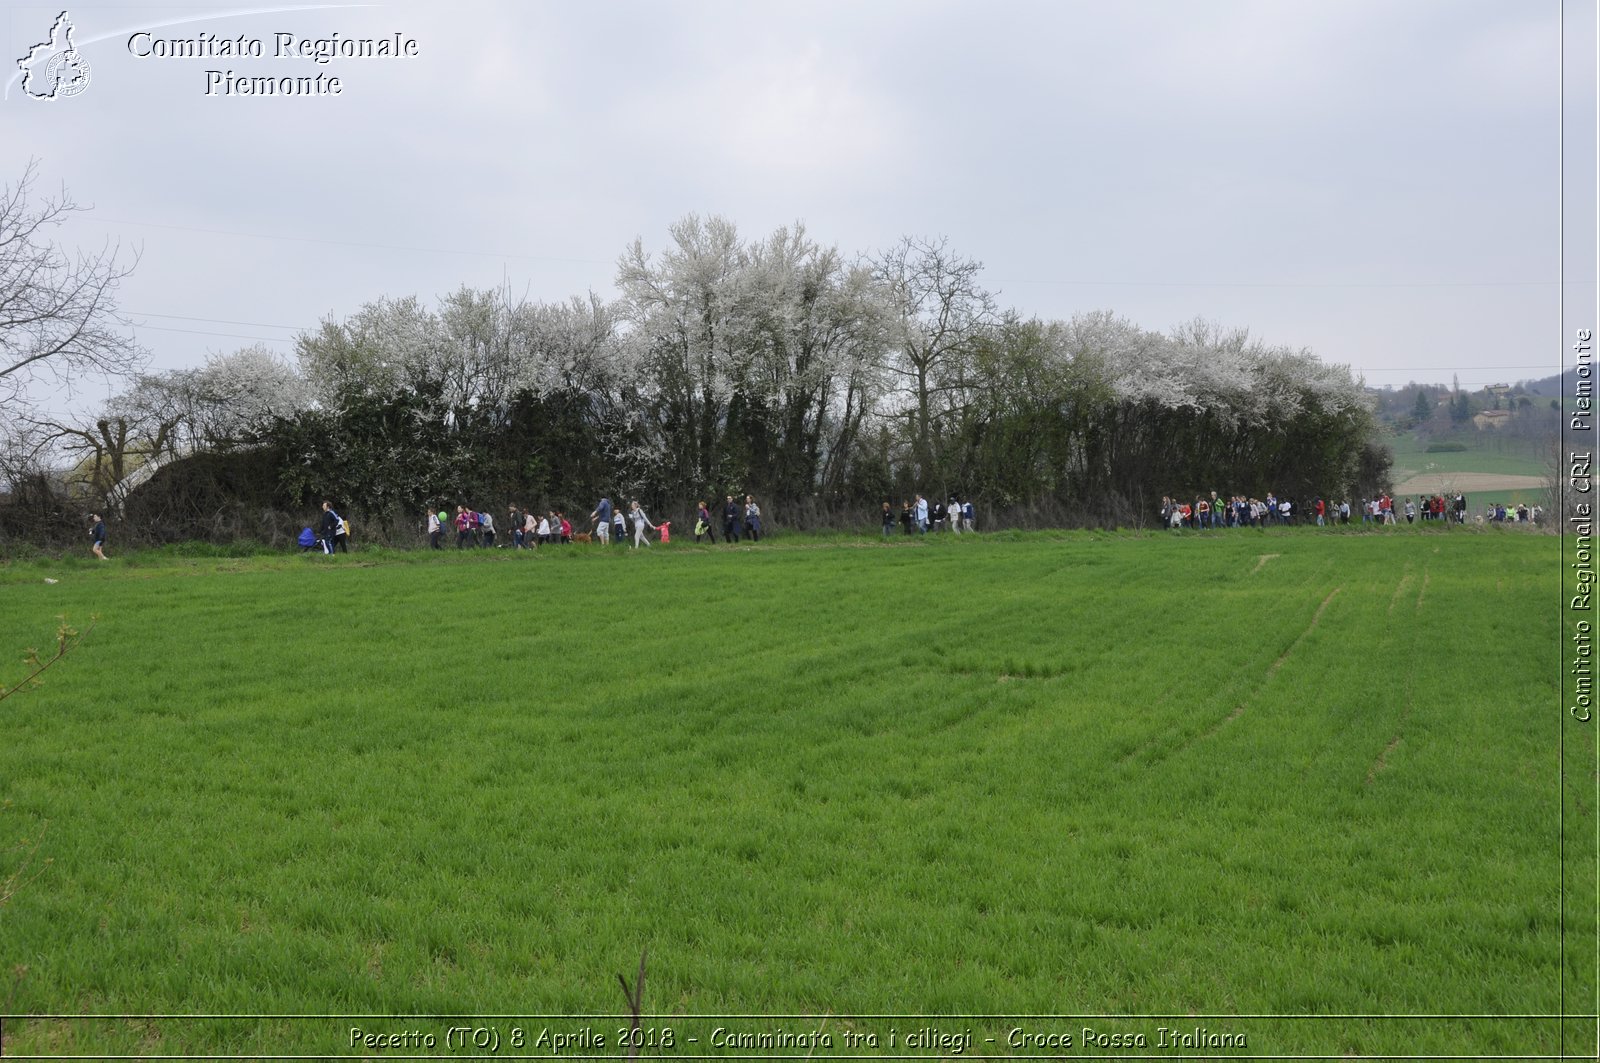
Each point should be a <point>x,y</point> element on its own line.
<point>1491,418</point>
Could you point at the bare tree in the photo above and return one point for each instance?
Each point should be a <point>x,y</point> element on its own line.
<point>58,315</point>
<point>942,313</point>
<point>108,447</point>
<point>227,403</point>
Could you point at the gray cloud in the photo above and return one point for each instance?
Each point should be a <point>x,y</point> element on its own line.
<point>1372,180</point>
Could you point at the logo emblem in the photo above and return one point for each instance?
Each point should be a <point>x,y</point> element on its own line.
<point>54,69</point>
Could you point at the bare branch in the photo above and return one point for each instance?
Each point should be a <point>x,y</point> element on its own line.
<point>58,318</point>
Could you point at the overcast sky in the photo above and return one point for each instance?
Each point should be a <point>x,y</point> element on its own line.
<point>1374,180</point>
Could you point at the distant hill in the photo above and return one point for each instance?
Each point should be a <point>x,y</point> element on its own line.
<point>1395,404</point>
<point>1554,386</point>
<point>1551,386</point>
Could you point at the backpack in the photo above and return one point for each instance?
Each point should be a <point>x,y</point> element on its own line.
<point>344,527</point>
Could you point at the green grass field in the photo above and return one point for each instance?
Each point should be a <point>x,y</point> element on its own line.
<point>1235,773</point>
<point>1411,457</point>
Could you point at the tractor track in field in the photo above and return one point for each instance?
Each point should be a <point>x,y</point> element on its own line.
<point>1261,562</point>
<point>1399,588</point>
<point>1316,618</point>
<point>1155,741</point>
<point>1382,760</point>
<point>1399,735</point>
<point>1272,670</point>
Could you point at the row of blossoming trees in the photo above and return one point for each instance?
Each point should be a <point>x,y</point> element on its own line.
<point>823,383</point>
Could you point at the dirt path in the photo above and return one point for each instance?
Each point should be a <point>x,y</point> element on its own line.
<point>1467,483</point>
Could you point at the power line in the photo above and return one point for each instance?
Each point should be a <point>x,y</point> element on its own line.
<point>216,320</point>
<point>1445,368</point>
<point>231,335</point>
<point>352,243</point>
<point>1289,284</point>
<point>1065,283</point>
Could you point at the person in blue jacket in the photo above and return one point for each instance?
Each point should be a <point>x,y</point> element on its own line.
<point>601,519</point>
<point>97,536</point>
<point>332,530</point>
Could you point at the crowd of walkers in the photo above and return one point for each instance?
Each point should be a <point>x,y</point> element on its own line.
<point>1239,511</point>
<point>737,519</point>
<point>741,521</point>
<point>920,517</point>
<point>609,522</point>
<point>528,529</point>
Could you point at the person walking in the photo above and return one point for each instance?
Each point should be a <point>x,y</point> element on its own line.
<point>97,536</point>
<point>434,528</point>
<point>514,522</point>
<point>601,519</point>
<point>906,516</point>
<point>702,524</point>
<point>730,521</point>
<point>332,530</point>
<point>888,520</point>
<point>486,522</point>
<point>619,526</point>
<point>922,515</point>
<point>752,519</point>
<point>640,522</point>
<point>968,517</point>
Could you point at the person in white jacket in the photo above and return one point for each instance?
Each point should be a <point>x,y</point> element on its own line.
<point>640,523</point>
